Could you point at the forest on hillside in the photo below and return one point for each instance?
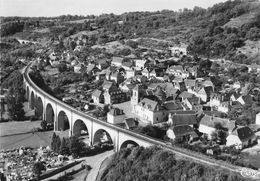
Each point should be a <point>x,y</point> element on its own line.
<point>156,164</point>
<point>205,30</point>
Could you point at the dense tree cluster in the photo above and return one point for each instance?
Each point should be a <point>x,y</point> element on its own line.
<point>15,96</point>
<point>153,131</point>
<point>156,164</point>
<point>11,28</point>
<point>67,146</point>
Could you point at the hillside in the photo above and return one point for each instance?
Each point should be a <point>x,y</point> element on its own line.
<point>156,164</point>
<point>217,32</point>
<point>239,21</point>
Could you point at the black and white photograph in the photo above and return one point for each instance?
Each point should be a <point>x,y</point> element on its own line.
<point>129,90</point>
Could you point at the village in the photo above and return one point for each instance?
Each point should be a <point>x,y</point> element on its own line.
<point>197,98</point>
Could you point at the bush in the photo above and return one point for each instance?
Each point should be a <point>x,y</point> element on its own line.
<point>44,125</point>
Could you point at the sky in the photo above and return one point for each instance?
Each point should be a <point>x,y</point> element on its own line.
<point>50,8</point>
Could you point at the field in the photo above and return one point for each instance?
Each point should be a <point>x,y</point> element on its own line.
<point>80,21</point>
<point>88,33</point>
<point>11,128</point>
<point>111,47</point>
<point>33,140</point>
<point>239,21</point>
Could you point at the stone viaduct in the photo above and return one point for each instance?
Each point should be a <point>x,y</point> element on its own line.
<point>64,116</point>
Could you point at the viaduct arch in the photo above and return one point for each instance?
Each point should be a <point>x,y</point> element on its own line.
<point>64,117</point>
<point>129,144</point>
<point>39,107</point>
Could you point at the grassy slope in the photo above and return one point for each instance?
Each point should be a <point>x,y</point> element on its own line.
<point>239,21</point>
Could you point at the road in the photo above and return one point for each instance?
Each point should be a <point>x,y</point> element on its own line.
<point>95,163</point>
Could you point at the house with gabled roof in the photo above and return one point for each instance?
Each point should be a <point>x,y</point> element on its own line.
<point>113,95</point>
<point>193,103</point>
<point>217,98</point>
<point>127,65</point>
<point>253,67</point>
<point>102,64</point>
<point>78,68</point>
<point>236,106</point>
<point>100,76</point>
<point>207,124</point>
<point>92,69</point>
<point>160,94</point>
<point>180,50</point>
<point>131,123</point>
<point>175,70</point>
<point>132,72</point>
<point>158,73</point>
<point>205,93</point>
<point>212,81</point>
<point>193,71</point>
<point>190,83</point>
<point>180,85</point>
<point>170,90</point>
<point>245,100</point>
<point>98,96</point>
<point>173,105</point>
<point>117,61</point>
<point>150,110</point>
<point>142,64</point>
<point>107,85</point>
<point>237,85</point>
<point>225,107</point>
<point>181,132</point>
<point>235,96</point>
<point>117,77</point>
<point>182,119</point>
<point>184,95</point>
<point>146,72</point>
<point>115,116</point>
<point>241,137</point>
<point>257,119</point>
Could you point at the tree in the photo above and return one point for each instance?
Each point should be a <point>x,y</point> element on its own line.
<point>75,145</point>
<point>44,124</point>
<point>38,167</point>
<point>72,45</point>
<point>14,100</point>
<point>36,77</point>
<point>2,108</point>
<point>64,149</point>
<point>58,144</point>
<point>53,142</point>
<point>62,67</point>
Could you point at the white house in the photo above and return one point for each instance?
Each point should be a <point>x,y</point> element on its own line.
<point>182,49</point>
<point>224,107</point>
<point>117,61</point>
<point>180,132</point>
<point>257,119</point>
<point>207,124</point>
<point>150,110</point>
<point>237,85</point>
<point>253,67</point>
<point>141,63</point>
<point>241,137</point>
<point>77,68</point>
<point>115,116</point>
